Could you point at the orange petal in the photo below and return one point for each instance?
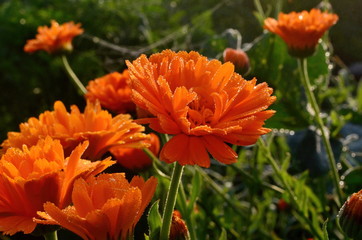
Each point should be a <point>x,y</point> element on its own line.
<point>219,150</point>
<point>185,150</point>
<point>67,219</point>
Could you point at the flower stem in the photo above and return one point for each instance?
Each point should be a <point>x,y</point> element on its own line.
<point>73,76</point>
<point>171,201</point>
<point>303,70</point>
<point>51,235</point>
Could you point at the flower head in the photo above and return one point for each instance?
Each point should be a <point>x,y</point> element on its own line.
<point>105,207</point>
<point>113,92</point>
<point>301,30</point>
<point>95,125</point>
<point>53,39</point>
<point>202,103</point>
<point>350,216</point>
<point>29,177</point>
<point>135,158</point>
<point>239,58</point>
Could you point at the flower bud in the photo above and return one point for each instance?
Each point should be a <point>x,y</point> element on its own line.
<point>350,216</point>
<point>239,58</point>
<point>178,229</point>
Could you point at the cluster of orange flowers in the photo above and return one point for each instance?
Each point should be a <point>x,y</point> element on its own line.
<point>202,103</point>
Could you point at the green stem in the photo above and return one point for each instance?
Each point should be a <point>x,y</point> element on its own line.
<point>155,163</point>
<point>171,201</point>
<point>259,8</point>
<point>303,70</point>
<point>51,236</point>
<point>188,217</point>
<point>73,76</point>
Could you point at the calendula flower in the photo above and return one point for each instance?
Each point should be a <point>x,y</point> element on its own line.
<point>301,30</point>
<point>350,216</point>
<point>95,125</point>
<point>105,207</point>
<point>135,158</point>
<point>29,177</point>
<point>54,39</point>
<point>203,104</point>
<point>239,58</point>
<point>113,92</point>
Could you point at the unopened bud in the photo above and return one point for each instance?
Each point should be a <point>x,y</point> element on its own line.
<point>178,229</point>
<point>350,216</point>
<point>239,58</point>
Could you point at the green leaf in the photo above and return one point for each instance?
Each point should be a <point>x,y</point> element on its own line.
<point>325,232</point>
<point>195,191</point>
<point>359,96</point>
<point>352,180</point>
<point>154,221</point>
<point>223,235</point>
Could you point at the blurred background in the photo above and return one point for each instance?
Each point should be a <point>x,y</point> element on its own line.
<point>116,30</point>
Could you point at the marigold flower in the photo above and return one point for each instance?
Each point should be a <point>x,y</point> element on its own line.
<point>179,230</point>
<point>53,39</point>
<point>105,207</point>
<point>113,92</point>
<point>95,125</point>
<point>301,30</point>
<point>29,177</point>
<point>135,158</point>
<point>350,216</point>
<point>202,103</point>
<point>239,58</point>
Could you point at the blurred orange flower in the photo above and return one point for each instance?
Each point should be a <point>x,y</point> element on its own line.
<point>113,92</point>
<point>95,125</point>
<point>202,103</point>
<point>135,158</point>
<point>301,30</point>
<point>105,207</point>
<point>53,39</point>
<point>29,177</point>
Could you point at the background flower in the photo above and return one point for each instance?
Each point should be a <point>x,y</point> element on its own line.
<point>301,30</point>
<point>202,103</point>
<point>105,207</point>
<point>29,177</point>
<point>95,125</point>
<point>57,37</point>
<point>135,158</point>
<point>113,92</point>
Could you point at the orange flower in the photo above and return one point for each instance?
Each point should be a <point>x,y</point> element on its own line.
<point>301,31</point>
<point>107,207</point>
<point>135,158</point>
<point>350,216</point>
<point>95,125</point>
<point>202,103</point>
<point>53,39</point>
<point>239,58</point>
<point>113,92</point>
<point>29,177</point>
